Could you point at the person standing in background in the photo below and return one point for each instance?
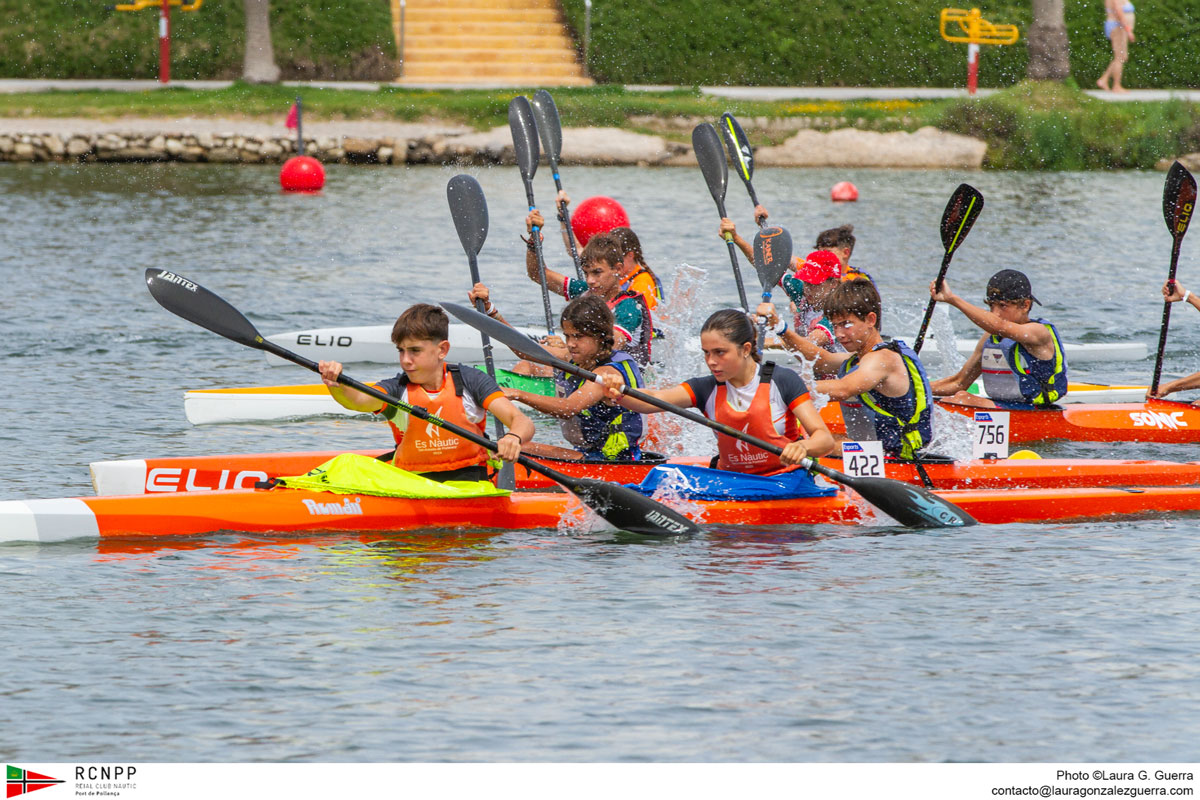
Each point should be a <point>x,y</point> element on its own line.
<point>1118,27</point>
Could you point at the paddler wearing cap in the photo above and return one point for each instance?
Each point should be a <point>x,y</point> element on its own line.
<point>808,288</point>
<point>818,278</point>
<point>840,241</point>
<point>1020,359</point>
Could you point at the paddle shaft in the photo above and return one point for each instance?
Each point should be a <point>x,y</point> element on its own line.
<point>535,237</point>
<point>1166,319</point>
<point>941,277</point>
<point>737,271</point>
<point>565,216</point>
<point>507,480</point>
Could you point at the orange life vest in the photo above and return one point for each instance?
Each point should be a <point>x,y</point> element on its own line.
<point>739,456</point>
<point>424,447</point>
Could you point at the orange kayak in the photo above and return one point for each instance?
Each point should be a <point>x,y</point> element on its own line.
<point>1162,421</point>
<point>299,511</point>
<point>215,473</point>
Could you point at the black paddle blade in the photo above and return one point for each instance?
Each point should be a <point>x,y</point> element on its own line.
<point>625,509</point>
<point>468,207</point>
<point>960,214</point>
<point>707,147</point>
<point>545,113</point>
<point>914,506</point>
<point>1179,199</point>
<point>772,255</point>
<point>738,146</point>
<point>524,135</point>
<point>510,337</point>
<point>190,300</point>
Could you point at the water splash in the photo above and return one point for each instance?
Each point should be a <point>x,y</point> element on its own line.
<point>578,520</point>
<point>676,358</point>
<point>675,491</point>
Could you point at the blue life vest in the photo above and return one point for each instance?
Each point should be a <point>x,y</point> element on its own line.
<point>605,432</point>
<point>1011,374</point>
<point>904,424</point>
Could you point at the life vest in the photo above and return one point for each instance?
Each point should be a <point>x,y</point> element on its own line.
<point>652,293</point>
<point>605,431</point>
<point>639,347</point>
<point>739,456</point>
<point>1011,374</point>
<point>904,424</point>
<point>424,447</point>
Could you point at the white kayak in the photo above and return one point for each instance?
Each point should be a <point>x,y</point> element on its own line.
<point>1075,352</point>
<point>275,403</point>
<point>372,344</point>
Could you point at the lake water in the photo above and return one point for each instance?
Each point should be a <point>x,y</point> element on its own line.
<point>997,643</point>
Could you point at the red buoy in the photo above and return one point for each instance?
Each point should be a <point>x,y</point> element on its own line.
<point>844,192</point>
<point>598,214</point>
<point>302,174</point>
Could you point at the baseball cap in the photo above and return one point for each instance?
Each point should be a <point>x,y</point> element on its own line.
<point>1008,285</point>
<point>819,266</point>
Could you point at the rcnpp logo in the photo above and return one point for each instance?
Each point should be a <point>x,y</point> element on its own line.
<point>22,781</point>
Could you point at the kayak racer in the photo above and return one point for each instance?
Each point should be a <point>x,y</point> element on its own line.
<point>599,430</point>
<point>457,394</point>
<point>762,399</point>
<point>882,386</point>
<point>1021,359</point>
<point>602,264</point>
<point>1174,292</point>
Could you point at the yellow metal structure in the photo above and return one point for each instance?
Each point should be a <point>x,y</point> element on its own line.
<point>138,5</point>
<point>972,28</point>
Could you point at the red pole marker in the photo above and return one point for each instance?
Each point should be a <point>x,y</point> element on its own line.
<point>972,68</point>
<point>164,43</point>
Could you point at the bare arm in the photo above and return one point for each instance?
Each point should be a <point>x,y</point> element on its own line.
<point>555,281</point>
<point>1033,335</point>
<point>349,398</point>
<point>961,381</point>
<point>727,226</point>
<point>586,396</point>
<point>872,373</point>
<point>507,447</point>
<point>819,441</point>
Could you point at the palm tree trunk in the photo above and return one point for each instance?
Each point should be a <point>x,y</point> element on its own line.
<point>259,64</point>
<point>1049,49</point>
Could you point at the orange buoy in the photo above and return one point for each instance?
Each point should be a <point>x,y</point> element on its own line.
<point>302,174</point>
<point>844,192</point>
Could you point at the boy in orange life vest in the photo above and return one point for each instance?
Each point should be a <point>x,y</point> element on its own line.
<point>456,394</point>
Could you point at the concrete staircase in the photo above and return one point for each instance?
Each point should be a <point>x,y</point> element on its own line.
<point>486,43</point>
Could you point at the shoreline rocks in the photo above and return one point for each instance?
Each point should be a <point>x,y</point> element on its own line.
<point>365,142</point>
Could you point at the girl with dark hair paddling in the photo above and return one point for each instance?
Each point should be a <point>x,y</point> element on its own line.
<point>765,400</point>
<point>597,429</point>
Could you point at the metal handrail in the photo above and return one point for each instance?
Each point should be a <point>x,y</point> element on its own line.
<point>403,5</point>
<point>587,35</point>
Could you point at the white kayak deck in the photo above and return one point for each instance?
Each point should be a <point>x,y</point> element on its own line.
<point>274,403</point>
<point>372,344</point>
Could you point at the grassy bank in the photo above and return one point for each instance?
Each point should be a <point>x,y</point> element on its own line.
<point>313,39</point>
<point>1046,126</point>
<point>678,42</point>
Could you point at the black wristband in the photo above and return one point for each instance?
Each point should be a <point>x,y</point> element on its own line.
<point>510,433</point>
